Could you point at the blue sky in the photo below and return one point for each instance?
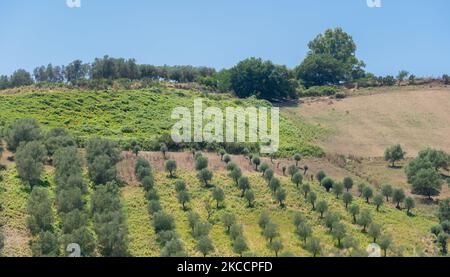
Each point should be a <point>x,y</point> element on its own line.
<point>402,34</point>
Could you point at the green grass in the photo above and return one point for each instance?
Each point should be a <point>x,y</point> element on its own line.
<point>140,114</point>
<point>410,233</point>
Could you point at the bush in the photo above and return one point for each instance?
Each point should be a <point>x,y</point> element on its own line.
<point>30,160</point>
<point>319,91</point>
<point>22,130</point>
<point>47,245</point>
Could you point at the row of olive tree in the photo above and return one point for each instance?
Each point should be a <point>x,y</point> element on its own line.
<point>163,223</point>
<point>109,220</point>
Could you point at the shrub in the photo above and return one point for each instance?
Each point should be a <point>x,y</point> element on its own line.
<point>163,221</point>
<point>319,91</point>
<point>22,130</point>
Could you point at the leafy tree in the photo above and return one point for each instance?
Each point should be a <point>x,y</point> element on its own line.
<point>205,176</point>
<point>102,157</point>
<point>218,195</point>
<point>243,184</point>
<point>320,70</point>
<point>226,158</point>
<point>322,207</point>
<point>183,197</point>
<point>292,169</point>
<point>298,218</point>
<point>314,246</point>
<point>268,174</point>
<point>349,242</point>
<point>437,229</point>
<point>354,211</point>
<point>239,245</point>
<point>297,178</point>
<point>40,211</point>
<point>263,168</point>
<point>274,184</point>
<point>398,196</point>
<point>394,153</point>
<point>147,183</point>
<point>75,71</point>
<point>256,161</point>
<point>442,240</point>
<point>46,246</point>
<point>222,152</point>
<point>387,191</point>
<point>338,189</point>
<point>347,197</point>
<point>280,195</point>
<point>320,176</point>
<point>331,218</point>
<point>231,166</point>
<point>327,183</point>
<point>173,248</point>
<point>20,77</point>
<point>30,159</point>
<point>270,231</point>
<point>250,197</point>
<point>204,245</point>
<point>402,75</point>
<point>312,197</point>
<point>409,204</point>
<point>304,231</point>
<point>69,199</point>
<point>340,46</point>
<point>378,201</point>
<point>261,78</point>
<point>385,242</point>
<point>374,231</point>
<point>163,221</point>
<point>297,157</point>
<point>276,246</point>
<point>180,185</point>
<point>235,174</point>
<point>264,219</point>
<point>163,149</point>
<point>136,149</point>
<point>427,182</point>
<point>348,183</point>
<point>58,138</point>
<point>361,187</point>
<point>201,163</point>
<point>236,230</point>
<point>193,218</point>
<point>201,229</point>
<point>305,188</point>
<point>84,238</point>
<point>365,219</point>
<point>444,209</point>
<point>338,232</point>
<point>73,220</point>
<point>154,206</point>
<point>142,168</point>
<point>171,166</point>
<point>228,220</point>
<point>367,193</point>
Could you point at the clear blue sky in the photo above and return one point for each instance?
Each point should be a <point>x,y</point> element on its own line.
<point>402,34</point>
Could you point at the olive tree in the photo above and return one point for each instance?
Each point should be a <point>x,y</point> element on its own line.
<point>171,167</point>
<point>348,183</point>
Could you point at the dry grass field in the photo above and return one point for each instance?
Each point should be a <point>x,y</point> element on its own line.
<point>365,125</point>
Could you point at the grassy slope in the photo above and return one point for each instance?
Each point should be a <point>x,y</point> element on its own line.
<point>143,114</point>
<point>411,234</point>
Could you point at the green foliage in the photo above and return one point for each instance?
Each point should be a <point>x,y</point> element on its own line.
<point>249,195</point>
<point>30,159</point>
<point>102,157</point>
<point>387,191</point>
<point>274,184</point>
<point>205,245</point>
<point>354,211</point>
<point>218,195</point>
<point>276,246</point>
<point>304,231</point>
<point>40,214</point>
<point>183,197</point>
<point>270,231</point>
<point>320,175</point>
<point>205,176</point>
<point>365,219</point>
<point>201,162</point>
<point>385,242</point>
<point>83,237</point>
<point>314,245</point>
<point>338,232</point>
<point>327,183</point>
<point>228,220</point>
<point>261,78</point>
<point>47,245</point>
<point>171,167</point>
<point>268,174</point>
<point>305,188</point>
<point>243,184</point>
<point>292,169</point>
<point>338,189</point>
<point>409,204</point>
<point>297,178</point>
<point>348,183</point>
<point>444,209</point>
<point>398,196</point>
<point>280,195</point>
<point>312,197</point>
<point>367,193</point>
<point>374,231</point>
<point>331,218</point>
<point>240,245</point>
<point>322,207</point>
<point>378,201</point>
<point>347,198</point>
<point>201,229</point>
<point>394,153</point>
<point>264,219</point>
<point>256,161</point>
<point>235,174</point>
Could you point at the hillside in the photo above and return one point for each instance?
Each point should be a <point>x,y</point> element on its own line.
<point>364,125</point>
